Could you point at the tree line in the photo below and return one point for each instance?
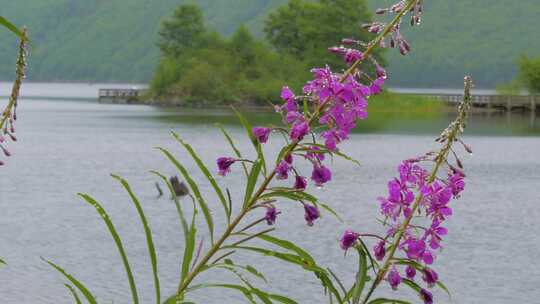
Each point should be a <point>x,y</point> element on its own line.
<point>198,66</point>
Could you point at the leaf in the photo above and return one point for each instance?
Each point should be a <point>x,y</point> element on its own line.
<point>189,249</point>
<point>282,299</point>
<point>73,293</point>
<point>289,246</point>
<point>245,291</point>
<point>412,285</point>
<point>331,211</point>
<point>255,272</point>
<point>390,301</point>
<point>147,232</point>
<point>10,26</point>
<point>290,194</point>
<point>195,189</point>
<point>233,146</point>
<point>2,262</point>
<point>206,173</point>
<point>256,144</point>
<point>117,241</point>
<point>362,275</point>
<point>251,183</point>
<point>86,293</point>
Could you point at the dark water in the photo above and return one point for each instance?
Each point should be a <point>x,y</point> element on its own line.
<point>490,255</point>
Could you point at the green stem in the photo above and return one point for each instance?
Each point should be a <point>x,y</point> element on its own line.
<point>455,131</point>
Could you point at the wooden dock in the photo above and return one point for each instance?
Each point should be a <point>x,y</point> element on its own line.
<point>120,96</point>
<point>499,102</point>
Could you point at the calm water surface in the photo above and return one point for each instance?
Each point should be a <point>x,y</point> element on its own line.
<point>65,147</point>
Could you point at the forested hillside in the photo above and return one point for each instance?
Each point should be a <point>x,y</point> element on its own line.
<point>115,40</point>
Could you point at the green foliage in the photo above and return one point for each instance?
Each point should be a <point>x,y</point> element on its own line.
<point>182,31</point>
<point>116,40</point>
<point>306,29</point>
<point>529,73</point>
<point>213,70</point>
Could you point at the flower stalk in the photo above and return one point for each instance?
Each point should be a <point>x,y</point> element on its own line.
<point>449,136</point>
<point>312,117</point>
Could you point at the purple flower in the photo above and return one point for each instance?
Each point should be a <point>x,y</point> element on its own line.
<point>394,279</point>
<point>271,214</point>
<point>321,175</point>
<point>288,96</point>
<point>261,134</point>
<point>456,183</point>
<point>224,164</point>
<point>426,296</point>
<point>299,130</point>
<point>282,170</point>
<point>311,213</point>
<point>379,251</point>
<point>411,272</point>
<point>351,56</point>
<point>300,183</point>
<point>348,239</point>
<point>430,277</point>
<point>288,158</point>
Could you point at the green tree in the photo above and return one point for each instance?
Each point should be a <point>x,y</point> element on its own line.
<point>529,73</point>
<point>306,29</point>
<point>182,31</point>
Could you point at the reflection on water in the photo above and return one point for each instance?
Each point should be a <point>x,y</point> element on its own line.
<point>68,147</point>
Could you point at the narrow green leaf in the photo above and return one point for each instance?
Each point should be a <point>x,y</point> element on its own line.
<point>206,173</point>
<point>189,249</point>
<point>10,26</point>
<point>331,211</point>
<point>86,293</point>
<point>255,272</point>
<point>361,277</point>
<point>289,246</point>
<point>256,144</point>
<point>147,232</point>
<point>73,293</point>
<point>265,298</point>
<point>233,146</point>
<point>282,299</point>
<point>412,285</point>
<point>117,241</point>
<point>195,190</point>
<point>443,287</point>
<point>245,291</point>
<point>389,301</point>
<point>290,194</point>
<point>2,262</point>
<point>252,182</point>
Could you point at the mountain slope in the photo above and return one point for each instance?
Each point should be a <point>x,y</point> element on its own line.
<point>114,40</point>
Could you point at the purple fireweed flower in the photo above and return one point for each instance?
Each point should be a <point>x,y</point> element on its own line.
<point>348,239</point>
<point>426,296</point>
<point>321,175</point>
<point>379,250</point>
<point>352,55</point>
<point>410,272</point>
<point>311,213</point>
<point>288,158</point>
<point>224,165</point>
<point>299,130</point>
<point>300,183</point>
<point>430,277</point>
<point>435,233</point>
<point>394,279</point>
<point>261,134</point>
<point>282,170</point>
<point>456,183</point>
<point>271,215</point>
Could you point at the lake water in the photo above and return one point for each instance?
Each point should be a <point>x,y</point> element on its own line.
<point>67,146</point>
